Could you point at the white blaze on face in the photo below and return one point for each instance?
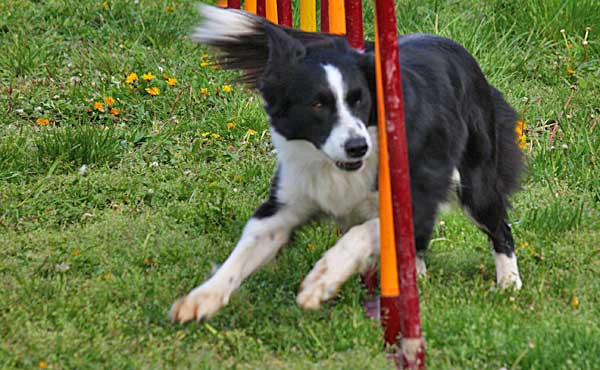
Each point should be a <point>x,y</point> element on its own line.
<point>348,126</point>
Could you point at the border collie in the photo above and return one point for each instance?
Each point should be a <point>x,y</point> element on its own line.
<point>319,94</point>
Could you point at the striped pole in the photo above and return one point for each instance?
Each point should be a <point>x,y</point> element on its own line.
<point>271,14</point>
<point>235,4</point>
<point>337,18</point>
<point>284,12</point>
<point>412,346</point>
<point>250,6</point>
<point>261,8</point>
<point>354,23</point>
<point>324,15</point>
<point>308,15</point>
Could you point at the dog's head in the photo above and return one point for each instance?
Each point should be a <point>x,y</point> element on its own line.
<point>317,89</point>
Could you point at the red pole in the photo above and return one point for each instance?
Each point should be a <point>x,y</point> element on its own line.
<point>410,324</point>
<point>261,8</point>
<point>235,4</point>
<point>284,12</point>
<point>354,24</point>
<point>324,15</point>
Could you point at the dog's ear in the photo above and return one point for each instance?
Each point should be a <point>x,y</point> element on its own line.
<point>247,43</point>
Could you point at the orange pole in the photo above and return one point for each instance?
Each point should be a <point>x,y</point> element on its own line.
<point>308,15</point>
<point>222,3</point>
<point>337,17</point>
<point>272,11</point>
<point>250,6</point>
<point>387,244</point>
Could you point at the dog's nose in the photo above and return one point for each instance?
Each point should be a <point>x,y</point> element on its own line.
<point>356,147</point>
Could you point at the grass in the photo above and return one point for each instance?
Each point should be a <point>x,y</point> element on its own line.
<point>89,265</point>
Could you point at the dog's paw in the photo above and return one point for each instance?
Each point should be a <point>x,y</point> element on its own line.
<point>421,267</point>
<point>325,279</point>
<point>511,280</point>
<point>201,304</point>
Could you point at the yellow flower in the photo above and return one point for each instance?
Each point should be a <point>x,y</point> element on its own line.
<point>205,134</point>
<point>520,127</point>
<point>251,132</point>
<point>226,88</point>
<point>169,9</point>
<point>205,56</point>
<point>75,253</point>
<point>105,5</point>
<point>43,121</point>
<point>524,245</point>
<point>171,81</point>
<point>204,64</point>
<point>114,112</point>
<point>203,91</point>
<point>148,76</point>
<point>311,246</point>
<point>131,78</point>
<point>43,364</point>
<point>570,70</point>
<point>99,106</point>
<point>153,90</point>
<point>215,136</point>
<point>109,100</point>
<point>575,302</point>
<point>230,125</point>
<point>215,67</point>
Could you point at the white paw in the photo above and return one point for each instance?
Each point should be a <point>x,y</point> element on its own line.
<point>421,267</point>
<point>200,304</point>
<point>324,280</point>
<point>509,281</point>
<point>507,271</point>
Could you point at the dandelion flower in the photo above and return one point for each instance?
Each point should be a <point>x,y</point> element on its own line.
<point>148,76</point>
<point>114,111</point>
<point>153,90</point>
<point>205,134</point>
<point>99,106</point>
<point>230,125</point>
<point>204,64</point>
<point>75,253</point>
<point>169,9</point>
<point>205,56</point>
<point>204,91</point>
<point>105,5</point>
<point>109,100</point>
<point>570,70</point>
<point>251,132</point>
<point>171,81</point>
<point>43,364</point>
<point>43,121</point>
<point>131,78</point>
<point>215,136</point>
<point>575,302</point>
<point>226,88</point>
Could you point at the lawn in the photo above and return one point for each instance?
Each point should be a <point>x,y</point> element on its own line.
<point>119,194</point>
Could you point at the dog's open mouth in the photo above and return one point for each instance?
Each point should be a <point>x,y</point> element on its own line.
<point>349,166</point>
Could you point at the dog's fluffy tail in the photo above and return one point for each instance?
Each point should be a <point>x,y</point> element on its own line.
<point>244,40</point>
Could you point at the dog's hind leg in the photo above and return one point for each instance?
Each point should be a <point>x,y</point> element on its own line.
<point>262,238</point>
<point>351,254</point>
<point>487,207</point>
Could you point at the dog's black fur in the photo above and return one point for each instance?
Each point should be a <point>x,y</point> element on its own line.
<point>455,121</point>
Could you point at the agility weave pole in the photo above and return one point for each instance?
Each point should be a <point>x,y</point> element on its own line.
<point>399,299</point>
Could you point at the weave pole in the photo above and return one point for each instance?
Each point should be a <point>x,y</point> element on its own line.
<point>390,93</point>
<point>284,12</point>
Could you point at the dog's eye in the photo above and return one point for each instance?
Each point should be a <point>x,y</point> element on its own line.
<point>317,106</point>
<point>354,97</point>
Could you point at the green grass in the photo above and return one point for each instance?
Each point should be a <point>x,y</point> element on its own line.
<point>89,265</point>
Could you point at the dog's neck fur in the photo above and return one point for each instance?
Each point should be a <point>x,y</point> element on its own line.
<point>309,179</point>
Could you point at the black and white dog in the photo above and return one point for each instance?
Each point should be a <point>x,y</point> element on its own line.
<point>320,98</point>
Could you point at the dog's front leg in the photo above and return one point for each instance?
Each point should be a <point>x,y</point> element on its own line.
<point>260,241</point>
<point>351,254</point>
